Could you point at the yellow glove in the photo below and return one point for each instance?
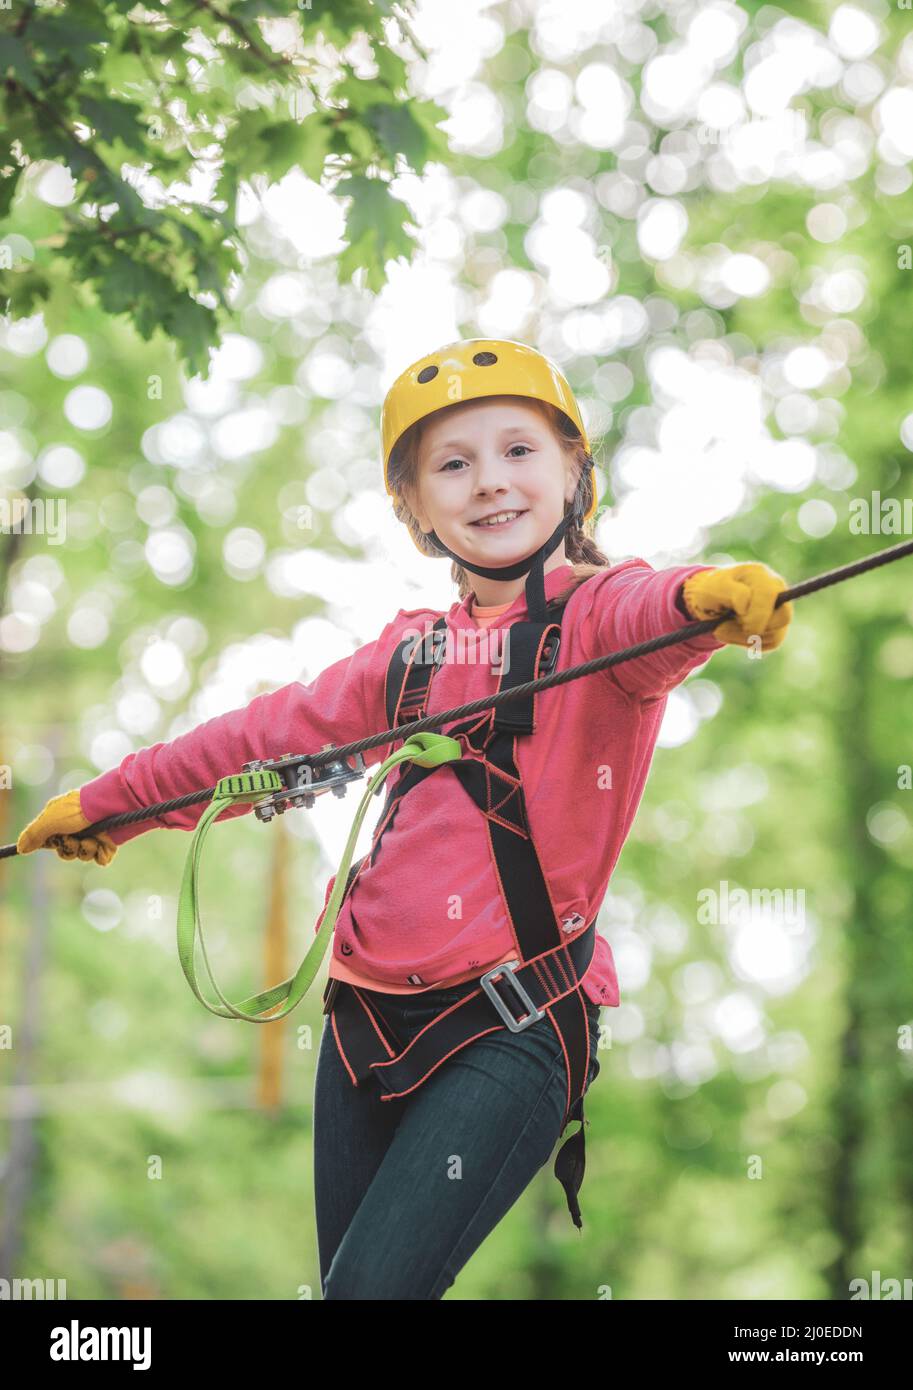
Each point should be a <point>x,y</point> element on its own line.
<point>751,592</point>
<point>55,828</point>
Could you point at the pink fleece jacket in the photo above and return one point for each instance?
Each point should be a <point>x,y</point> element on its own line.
<point>430,912</point>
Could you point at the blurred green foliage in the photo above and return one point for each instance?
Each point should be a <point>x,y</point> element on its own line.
<point>102,86</point>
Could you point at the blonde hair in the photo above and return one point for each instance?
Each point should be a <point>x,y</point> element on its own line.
<point>581,550</point>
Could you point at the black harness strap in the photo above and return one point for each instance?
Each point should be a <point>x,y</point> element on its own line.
<point>544,982</point>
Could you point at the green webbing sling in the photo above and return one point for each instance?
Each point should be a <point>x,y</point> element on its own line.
<point>426,749</point>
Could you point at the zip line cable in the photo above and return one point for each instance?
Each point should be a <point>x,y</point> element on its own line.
<point>586,668</point>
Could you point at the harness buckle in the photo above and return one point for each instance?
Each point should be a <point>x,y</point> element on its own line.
<point>506,969</point>
<point>549,655</point>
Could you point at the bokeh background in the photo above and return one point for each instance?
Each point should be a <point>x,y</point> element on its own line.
<point>703,213</point>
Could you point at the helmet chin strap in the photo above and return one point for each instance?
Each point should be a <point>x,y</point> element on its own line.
<point>534,563</point>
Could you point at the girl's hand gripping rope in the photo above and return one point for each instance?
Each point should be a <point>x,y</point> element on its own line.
<point>751,592</point>
<point>55,828</point>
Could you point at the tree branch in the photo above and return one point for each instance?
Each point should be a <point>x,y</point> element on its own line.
<point>410,32</point>
<point>61,124</point>
<point>238,28</point>
<point>278,64</point>
<point>23,20</point>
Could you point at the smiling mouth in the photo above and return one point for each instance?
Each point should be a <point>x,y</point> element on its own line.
<point>499,525</point>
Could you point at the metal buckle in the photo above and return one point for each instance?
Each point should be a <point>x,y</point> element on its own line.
<point>549,655</point>
<point>507,970</point>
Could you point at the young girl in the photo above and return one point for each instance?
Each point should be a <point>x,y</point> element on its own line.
<point>467,975</point>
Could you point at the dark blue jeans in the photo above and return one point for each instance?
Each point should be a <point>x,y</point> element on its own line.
<point>406,1190</point>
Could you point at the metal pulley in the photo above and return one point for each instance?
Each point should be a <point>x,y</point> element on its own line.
<point>302,782</point>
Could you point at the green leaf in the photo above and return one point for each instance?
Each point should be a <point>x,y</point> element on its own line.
<point>56,36</point>
<point>207,267</point>
<point>108,187</point>
<point>16,63</point>
<point>209,278</point>
<point>24,292</point>
<point>398,133</point>
<point>8,188</point>
<point>125,72</point>
<point>56,143</point>
<point>360,94</point>
<point>391,67</point>
<point>116,121</point>
<point>374,227</point>
<point>242,151</point>
<point>428,115</point>
<point>193,327</point>
<point>289,143</point>
<point>127,281</point>
<point>352,137</point>
<point>339,21</point>
<point>248,11</point>
<point>314,136</point>
<point>260,145</point>
<point>170,45</point>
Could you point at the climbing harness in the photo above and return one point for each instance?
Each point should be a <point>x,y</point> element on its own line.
<point>543,981</point>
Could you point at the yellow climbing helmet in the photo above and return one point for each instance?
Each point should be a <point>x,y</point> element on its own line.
<point>470,370</point>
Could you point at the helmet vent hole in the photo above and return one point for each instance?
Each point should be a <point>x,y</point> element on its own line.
<point>485,359</point>
<point>426,374</point>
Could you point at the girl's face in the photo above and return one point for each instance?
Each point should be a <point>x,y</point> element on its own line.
<point>488,456</point>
